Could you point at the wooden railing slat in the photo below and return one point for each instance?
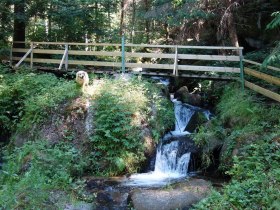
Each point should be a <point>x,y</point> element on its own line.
<point>263,76</point>
<point>263,91</point>
<point>259,64</point>
<point>209,68</point>
<point>138,45</point>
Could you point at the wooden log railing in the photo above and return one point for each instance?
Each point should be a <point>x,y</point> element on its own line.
<point>98,53</point>
<point>274,80</point>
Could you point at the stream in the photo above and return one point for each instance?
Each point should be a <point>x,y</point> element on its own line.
<point>173,152</point>
<point>171,164</point>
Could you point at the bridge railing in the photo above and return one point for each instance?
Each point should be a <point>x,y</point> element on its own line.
<point>174,59</point>
<point>270,77</point>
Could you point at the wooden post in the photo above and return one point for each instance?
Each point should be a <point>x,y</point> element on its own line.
<point>175,69</point>
<point>241,70</point>
<point>31,55</point>
<point>23,58</point>
<point>66,58</point>
<point>123,54</point>
<point>11,56</point>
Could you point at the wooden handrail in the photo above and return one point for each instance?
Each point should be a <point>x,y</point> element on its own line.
<point>270,79</point>
<point>139,45</point>
<point>135,54</point>
<point>263,91</point>
<point>259,64</point>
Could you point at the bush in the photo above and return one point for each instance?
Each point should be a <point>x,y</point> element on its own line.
<point>31,174</point>
<point>250,153</point>
<point>27,98</point>
<point>255,180</point>
<point>121,113</point>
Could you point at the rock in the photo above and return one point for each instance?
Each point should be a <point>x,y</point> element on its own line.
<point>79,206</point>
<point>196,120</point>
<point>193,99</point>
<point>183,95</point>
<point>111,199</point>
<point>183,91</point>
<point>179,196</point>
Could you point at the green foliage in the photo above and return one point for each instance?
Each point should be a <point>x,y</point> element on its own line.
<point>275,22</point>
<point>27,98</point>
<point>250,153</point>
<point>255,183</point>
<point>33,173</point>
<point>237,109</point>
<point>121,113</point>
<point>274,57</point>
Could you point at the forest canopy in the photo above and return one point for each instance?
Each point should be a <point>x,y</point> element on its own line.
<point>232,22</point>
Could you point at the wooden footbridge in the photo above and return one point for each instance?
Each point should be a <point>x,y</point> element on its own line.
<point>226,63</point>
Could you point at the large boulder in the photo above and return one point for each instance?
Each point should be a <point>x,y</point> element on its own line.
<point>179,196</point>
<point>183,95</point>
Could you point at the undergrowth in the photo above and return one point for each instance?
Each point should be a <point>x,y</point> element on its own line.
<point>34,174</point>
<point>27,98</point>
<point>249,134</point>
<point>122,110</point>
<point>46,174</point>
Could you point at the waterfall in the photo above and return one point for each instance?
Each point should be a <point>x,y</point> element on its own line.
<point>183,114</point>
<point>173,156</point>
<point>169,162</point>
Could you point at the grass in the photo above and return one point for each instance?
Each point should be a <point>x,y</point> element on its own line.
<point>249,132</point>
<point>27,98</point>
<point>43,174</point>
<point>122,110</point>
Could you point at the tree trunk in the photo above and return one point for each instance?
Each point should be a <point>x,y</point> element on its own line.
<point>133,19</point>
<point>122,18</point>
<point>232,31</point>
<point>19,23</point>
<point>227,23</point>
<point>50,23</point>
<point>147,24</point>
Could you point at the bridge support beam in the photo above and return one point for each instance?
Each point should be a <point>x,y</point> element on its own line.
<point>241,70</point>
<point>123,54</point>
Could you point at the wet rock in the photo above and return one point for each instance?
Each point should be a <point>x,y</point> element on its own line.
<point>196,120</point>
<point>183,95</point>
<point>182,92</point>
<point>111,199</point>
<point>79,206</point>
<point>177,196</point>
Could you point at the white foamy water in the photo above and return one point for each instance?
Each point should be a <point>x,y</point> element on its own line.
<point>169,165</point>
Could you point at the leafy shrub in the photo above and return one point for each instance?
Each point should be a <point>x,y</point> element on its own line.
<point>250,154</point>
<point>255,183</point>
<point>236,109</point>
<point>27,98</point>
<point>121,113</point>
<point>33,172</point>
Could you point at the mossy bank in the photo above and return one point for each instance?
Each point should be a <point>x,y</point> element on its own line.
<point>58,135</point>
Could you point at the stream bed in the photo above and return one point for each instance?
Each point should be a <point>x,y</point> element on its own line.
<point>170,185</point>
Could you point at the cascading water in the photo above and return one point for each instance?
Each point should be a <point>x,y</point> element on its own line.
<point>171,160</point>
<point>183,115</point>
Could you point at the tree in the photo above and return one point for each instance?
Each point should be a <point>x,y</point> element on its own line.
<point>274,57</point>
<point>19,23</point>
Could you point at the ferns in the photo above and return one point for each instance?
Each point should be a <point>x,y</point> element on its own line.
<point>274,57</point>
<point>275,22</point>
